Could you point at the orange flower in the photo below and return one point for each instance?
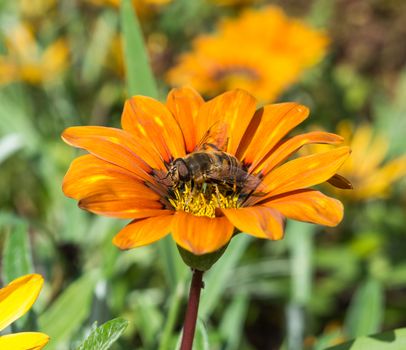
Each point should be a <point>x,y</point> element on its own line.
<point>262,51</point>
<point>201,169</point>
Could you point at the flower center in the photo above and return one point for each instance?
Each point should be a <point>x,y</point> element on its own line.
<point>235,73</point>
<point>203,200</point>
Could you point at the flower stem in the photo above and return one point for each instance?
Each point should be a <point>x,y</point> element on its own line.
<point>192,309</point>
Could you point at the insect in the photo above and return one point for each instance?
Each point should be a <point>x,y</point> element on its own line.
<point>211,164</point>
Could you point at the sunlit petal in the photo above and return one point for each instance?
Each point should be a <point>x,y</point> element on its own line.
<point>258,221</point>
<point>308,205</point>
<point>199,234</point>
<point>17,297</point>
<point>23,341</point>
<point>142,232</point>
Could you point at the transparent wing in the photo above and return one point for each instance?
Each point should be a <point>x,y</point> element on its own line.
<point>214,138</point>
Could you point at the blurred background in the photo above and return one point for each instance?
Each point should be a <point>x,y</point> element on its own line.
<point>62,63</point>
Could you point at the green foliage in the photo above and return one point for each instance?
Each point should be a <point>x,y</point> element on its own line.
<point>365,313</point>
<point>17,259</point>
<point>68,312</point>
<point>105,335</point>
<point>391,340</point>
<point>140,79</point>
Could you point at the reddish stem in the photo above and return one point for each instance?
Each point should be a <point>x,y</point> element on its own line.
<point>192,309</point>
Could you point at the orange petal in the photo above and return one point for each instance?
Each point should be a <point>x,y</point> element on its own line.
<point>24,341</point>
<point>304,172</point>
<point>199,234</point>
<point>184,103</point>
<point>310,206</point>
<point>258,221</point>
<point>233,108</point>
<point>114,146</point>
<point>276,121</point>
<point>107,189</point>
<point>142,232</point>
<point>288,147</point>
<point>17,297</point>
<point>151,120</point>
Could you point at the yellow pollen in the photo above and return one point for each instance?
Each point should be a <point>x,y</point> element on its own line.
<point>203,201</point>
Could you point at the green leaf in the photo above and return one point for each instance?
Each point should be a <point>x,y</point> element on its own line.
<point>17,259</point>
<point>366,310</point>
<point>216,279</point>
<point>104,336</point>
<point>9,145</point>
<point>68,312</point>
<point>391,340</point>
<point>201,340</point>
<point>232,324</point>
<point>140,79</point>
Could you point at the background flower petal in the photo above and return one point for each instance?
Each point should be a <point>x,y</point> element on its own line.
<point>184,103</point>
<point>23,341</point>
<point>199,234</point>
<point>142,232</point>
<point>258,221</point>
<point>310,206</point>
<point>17,297</point>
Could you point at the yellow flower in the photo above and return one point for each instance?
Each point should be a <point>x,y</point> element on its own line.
<point>27,61</point>
<point>263,51</point>
<point>200,170</point>
<point>369,174</point>
<point>15,300</point>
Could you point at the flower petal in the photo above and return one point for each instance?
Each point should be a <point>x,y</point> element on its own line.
<point>310,206</point>
<point>288,147</point>
<point>199,234</point>
<point>276,121</point>
<point>151,120</point>
<point>258,221</point>
<point>115,146</point>
<point>17,297</point>
<point>235,109</point>
<point>304,172</point>
<point>184,103</point>
<point>24,341</point>
<point>142,232</point>
<point>107,189</point>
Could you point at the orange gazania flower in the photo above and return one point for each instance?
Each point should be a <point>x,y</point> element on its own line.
<point>144,172</point>
<point>262,51</point>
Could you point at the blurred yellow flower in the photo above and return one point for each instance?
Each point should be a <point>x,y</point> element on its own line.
<point>370,176</point>
<point>15,300</point>
<point>263,51</point>
<point>27,61</point>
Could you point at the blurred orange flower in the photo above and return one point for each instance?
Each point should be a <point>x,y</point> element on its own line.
<point>200,169</point>
<point>15,300</point>
<point>263,51</point>
<point>28,62</point>
<point>370,176</point>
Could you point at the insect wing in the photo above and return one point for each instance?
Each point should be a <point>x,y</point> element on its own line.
<point>214,138</point>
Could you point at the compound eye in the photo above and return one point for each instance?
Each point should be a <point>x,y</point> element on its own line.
<point>183,170</point>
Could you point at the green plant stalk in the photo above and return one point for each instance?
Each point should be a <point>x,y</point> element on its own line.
<point>192,310</point>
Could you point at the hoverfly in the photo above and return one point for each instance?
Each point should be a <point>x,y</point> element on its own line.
<point>209,163</point>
